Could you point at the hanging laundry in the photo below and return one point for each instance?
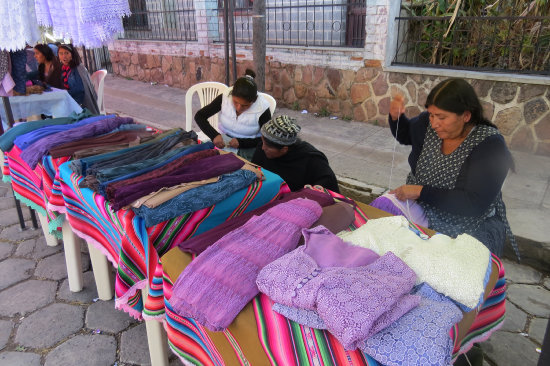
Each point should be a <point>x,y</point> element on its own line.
<point>19,26</point>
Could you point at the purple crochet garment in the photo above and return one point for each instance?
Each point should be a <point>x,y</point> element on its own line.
<point>353,303</point>
<point>218,284</point>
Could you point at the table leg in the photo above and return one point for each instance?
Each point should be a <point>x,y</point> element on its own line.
<point>102,273</point>
<point>157,340</point>
<point>73,258</point>
<point>51,240</point>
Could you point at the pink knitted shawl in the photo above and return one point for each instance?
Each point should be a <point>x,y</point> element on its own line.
<point>218,284</point>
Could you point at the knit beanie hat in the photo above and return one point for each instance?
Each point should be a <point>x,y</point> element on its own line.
<point>281,130</point>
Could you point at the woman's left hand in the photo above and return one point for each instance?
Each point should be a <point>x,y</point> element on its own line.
<point>234,143</point>
<point>407,192</point>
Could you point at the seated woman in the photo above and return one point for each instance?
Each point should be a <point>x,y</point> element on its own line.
<point>459,161</point>
<point>75,78</point>
<point>242,113</point>
<point>49,68</point>
<point>294,160</point>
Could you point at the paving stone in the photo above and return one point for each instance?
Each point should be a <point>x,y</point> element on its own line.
<point>504,348</point>
<point>133,346</point>
<point>547,282</point>
<point>515,319</point>
<point>6,202</point>
<point>533,299</point>
<point>36,248</point>
<point>26,297</point>
<point>521,274</point>
<point>86,296</point>
<point>5,250</point>
<point>102,315</point>
<point>9,216</point>
<point>5,331</point>
<point>55,267</point>
<point>14,270</point>
<point>19,359</point>
<point>14,233</point>
<point>537,328</point>
<point>49,325</point>
<point>84,350</point>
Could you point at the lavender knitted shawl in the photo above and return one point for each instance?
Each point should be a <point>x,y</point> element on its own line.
<point>218,284</point>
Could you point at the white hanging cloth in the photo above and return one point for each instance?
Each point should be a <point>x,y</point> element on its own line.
<point>90,23</point>
<point>19,26</point>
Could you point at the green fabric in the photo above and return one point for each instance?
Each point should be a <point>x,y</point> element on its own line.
<point>6,140</point>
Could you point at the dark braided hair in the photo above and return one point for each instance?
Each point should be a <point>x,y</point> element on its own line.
<point>245,87</point>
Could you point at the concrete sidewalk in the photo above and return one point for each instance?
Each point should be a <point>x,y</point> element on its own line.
<point>362,156</point>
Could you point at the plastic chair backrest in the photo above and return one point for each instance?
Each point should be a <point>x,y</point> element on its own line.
<point>271,100</point>
<point>98,79</point>
<point>207,92</point>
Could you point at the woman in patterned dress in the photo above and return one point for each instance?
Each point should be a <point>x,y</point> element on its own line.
<point>459,161</point>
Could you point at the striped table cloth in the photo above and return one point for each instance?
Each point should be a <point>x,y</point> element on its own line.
<point>261,336</point>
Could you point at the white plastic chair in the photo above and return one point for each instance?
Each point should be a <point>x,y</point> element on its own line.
<point>271,100</point>
<point>98,79</point>
<point>207,92</point>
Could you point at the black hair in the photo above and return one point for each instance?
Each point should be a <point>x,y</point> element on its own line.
<point>457,96</point>
<point>245,87</point>
<point>49,56</point>
<point>75,61</point>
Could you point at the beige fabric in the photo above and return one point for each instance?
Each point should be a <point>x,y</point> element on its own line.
<point>157,198</point>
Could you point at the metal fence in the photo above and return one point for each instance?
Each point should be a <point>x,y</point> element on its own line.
<point>507,36</point>
<point>96,59</point>
<point>331,23</point>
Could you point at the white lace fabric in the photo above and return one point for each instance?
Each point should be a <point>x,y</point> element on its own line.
<point>454,267</point>
<point>19,26</point>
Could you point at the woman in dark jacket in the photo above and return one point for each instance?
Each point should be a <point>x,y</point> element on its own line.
<point>49,68</point>
<point>75,78</point>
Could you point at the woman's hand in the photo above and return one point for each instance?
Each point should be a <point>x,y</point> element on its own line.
<point>397,107</point>
<point>407,192</point>
<point>218,142</point>
<point>234,143</point>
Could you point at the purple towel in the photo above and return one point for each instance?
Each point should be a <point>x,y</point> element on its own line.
<point>218,284</point>
<point>34,153</point>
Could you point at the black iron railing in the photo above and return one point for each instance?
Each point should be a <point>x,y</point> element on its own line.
<point>329,23</point>
<point>508,37</point>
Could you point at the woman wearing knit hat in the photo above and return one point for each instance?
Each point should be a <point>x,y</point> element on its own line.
<point>242,114</point>
<point>294,160</point>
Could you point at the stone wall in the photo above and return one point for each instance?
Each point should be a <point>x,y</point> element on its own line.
<point>521,111</point>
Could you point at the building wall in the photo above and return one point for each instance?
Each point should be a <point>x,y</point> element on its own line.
<point>345,82</point>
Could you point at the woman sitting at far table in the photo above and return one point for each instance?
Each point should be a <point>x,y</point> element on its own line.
<point>459,161</point>
<point>242,114</point>
<point>76,79</point>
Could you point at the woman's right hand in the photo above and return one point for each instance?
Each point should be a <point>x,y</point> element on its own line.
<point>397,107</point>
<point>218,142</point>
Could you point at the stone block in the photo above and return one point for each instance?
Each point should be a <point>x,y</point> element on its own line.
<point>277,92</point>
<point>529,91</point>
<point>142,60</point>
<point>488,109</point>
<point>411,89</point>
<point>6,327</point>
<point>323,90</point>
<point>125,58</point>
<point>285,80</point>
<point>543,148</point>
<point>14,270</point>
<point>422,96</point>
<point>482,87</point>
<point>102,315</point>
<point>371,108</point>
<point>365,74</point>
<point>334,79</point>
<point>537,329</point>
<point>523,140</point>
<point>397,78</point>
<point>516,273</point>
<point>86,296</point>
<point>547,283</point>
<point>307,74</point>
<point>359,93</point>
<point>50,325</point>
<point>507,120</point>
<point>515,320</point>
<point>5,250</point>
<point>84,350</point>
<point>289,96</point>
<point>318,74</point>
<point>19,359</point>
<point>166,63</point>
<point>55,267</point>
<point>133,346</point>
<point>542,128</point>
<point>534,109</point>
<point>533,299</point>
<point>503,93</point>
<point>26,297</point>
<point>36,248</point>
<point>380,85</point>
<point>384,106</point>
<point>359,113</point>
<point>14,233</point>
<point>504,348</point>
<point>134,59</point>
